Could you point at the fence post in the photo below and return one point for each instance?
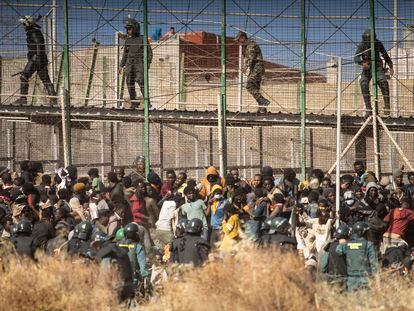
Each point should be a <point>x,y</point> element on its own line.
<point>146,90</point>
<point>66,126</point>
<point>303,92</point>
<point>377,163</point>
<point>223,91</point>
<point>338,137</point>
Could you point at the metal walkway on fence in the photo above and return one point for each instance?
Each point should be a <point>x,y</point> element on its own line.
<point>52,115</point>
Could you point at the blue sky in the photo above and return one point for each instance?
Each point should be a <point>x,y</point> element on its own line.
<point>279,38</point>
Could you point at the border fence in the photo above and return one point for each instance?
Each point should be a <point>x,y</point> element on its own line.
<point>201,113</point>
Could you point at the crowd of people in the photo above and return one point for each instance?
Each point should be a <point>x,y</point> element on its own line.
<point>140,223</point>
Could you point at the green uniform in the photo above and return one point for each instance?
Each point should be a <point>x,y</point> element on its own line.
<point>133,61</point>
<point>361,261</point>
<point>253,60</point>
<point>363,54</point>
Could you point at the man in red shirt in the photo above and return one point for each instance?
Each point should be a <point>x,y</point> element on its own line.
<point>398,220</point>
<point>138,210</point>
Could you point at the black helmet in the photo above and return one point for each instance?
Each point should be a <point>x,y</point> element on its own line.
<point>266,224</point>
<point>279,224</point>
<point>85,230</point>
<point>24,226</point>
<point>366,36</point>
<point>181,226</point>
<point>131,231</point>
<point>195,226</point>
<point>99,237</point>
<point>132,23</point>
<point>360,228</point>
<point>342,232</point>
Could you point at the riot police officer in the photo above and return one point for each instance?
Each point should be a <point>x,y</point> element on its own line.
<point>361,257</point>
<point>332,265</point>
<point>136,252</point>
<point>363,58</point>
<point>133,60</point>
<point>107,253</point>
<point>80,240</point>
<point>179,233</point>
<point>23,242</point>
<point>278,235</point>
<point>193,249</point>
<point>37,61</point>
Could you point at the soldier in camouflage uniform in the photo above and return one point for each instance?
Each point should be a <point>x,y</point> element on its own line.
<point>363,58</point>
<point>133,60</point>
<point>253,60</point>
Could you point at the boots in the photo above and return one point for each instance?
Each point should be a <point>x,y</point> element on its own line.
<point>22,101</point>
<point>263,103</point>
<point>51,92</point>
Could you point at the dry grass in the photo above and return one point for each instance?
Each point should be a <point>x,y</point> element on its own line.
<point>387,292</point>
<point>55,285</point>
<point>250,280</point>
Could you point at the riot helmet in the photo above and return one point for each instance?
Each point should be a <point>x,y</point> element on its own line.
<point>342,232</point>
<point>24,226</point>
<point>360,228</point>
<point>181,226</point>
<point>195,226</point>
<point>120,234</point>
<point>85,230</point>
<point>131,231</point>
<point>280,225</point>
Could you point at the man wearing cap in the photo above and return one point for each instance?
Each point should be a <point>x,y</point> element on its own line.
<point>133,60</point>
<point>37,61</point>
<point>253,60</point>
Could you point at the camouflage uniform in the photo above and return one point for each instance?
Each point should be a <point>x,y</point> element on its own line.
<point>363,54</point>
<point>253,60</point>
<point>133,61</point>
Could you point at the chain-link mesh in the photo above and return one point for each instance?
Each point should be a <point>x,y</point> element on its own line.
<point>184,84</point>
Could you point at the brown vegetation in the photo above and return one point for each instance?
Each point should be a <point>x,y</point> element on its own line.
<point>249,280</point>
<point>55,285</point>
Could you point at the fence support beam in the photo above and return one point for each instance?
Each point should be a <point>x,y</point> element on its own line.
<point>377,163</point>
<point>343,153</point>
<point>303,92</point>
<point>146,90</point>
<point>338,138</point>
<point>399,150</point>
<point>66,125</point>
<point>223,91</point>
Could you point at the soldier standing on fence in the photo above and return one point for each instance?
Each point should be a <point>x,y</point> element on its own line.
<point>37,60</point>
<point>253,60</point>
<point>363,58</point>
<point>133,60</point>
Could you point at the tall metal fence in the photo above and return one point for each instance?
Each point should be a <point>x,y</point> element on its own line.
<point>196,75</point>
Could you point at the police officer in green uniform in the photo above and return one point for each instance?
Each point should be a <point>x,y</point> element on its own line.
<point>133,60</point>
<point>333,266</point>
<point>363,58</point>
<point>136,252</point>
<point>361,257</point>
<point>253,60</point>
